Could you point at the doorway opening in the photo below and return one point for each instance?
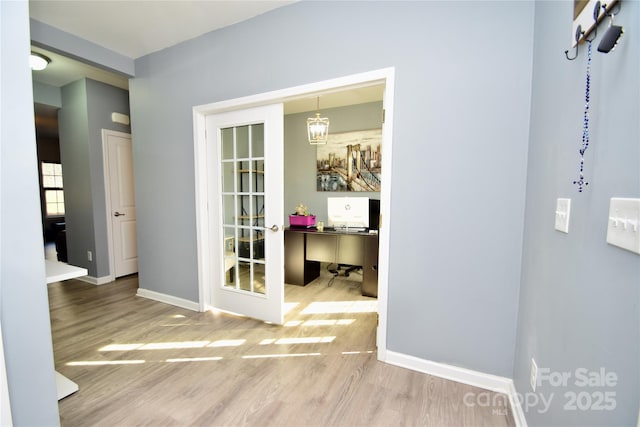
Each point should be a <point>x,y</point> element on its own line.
<point>208,266</point>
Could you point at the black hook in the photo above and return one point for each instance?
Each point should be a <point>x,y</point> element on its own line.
<point>596,17</point>
<point>579,33</point>
<point>614,10</point>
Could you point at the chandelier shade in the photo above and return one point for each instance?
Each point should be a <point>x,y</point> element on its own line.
<point>318,128</point>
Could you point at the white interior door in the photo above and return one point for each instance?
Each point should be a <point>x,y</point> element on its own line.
<point>121,195</point>
<point>245,152</point>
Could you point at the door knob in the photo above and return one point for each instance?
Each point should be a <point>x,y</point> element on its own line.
<point>118,214</point>
<point>273,228</point>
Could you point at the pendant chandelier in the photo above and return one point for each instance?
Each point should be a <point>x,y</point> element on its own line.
<point>318,127</point>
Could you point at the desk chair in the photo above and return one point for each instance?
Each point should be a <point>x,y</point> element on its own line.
<point>345,269</point>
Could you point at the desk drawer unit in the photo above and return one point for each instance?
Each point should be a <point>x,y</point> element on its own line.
<point>297,269</point>
<point>322,247</point>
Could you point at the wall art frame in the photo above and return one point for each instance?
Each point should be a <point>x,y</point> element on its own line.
<point>350,162</point>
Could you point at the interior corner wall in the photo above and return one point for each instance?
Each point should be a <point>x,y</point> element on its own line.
<point>73,132</point>
<point>102,100</point>
<point>24,306</point>
<point>86,110</point>
<point>460,134</point>
<point>579,301</point>
<point>300,156</point>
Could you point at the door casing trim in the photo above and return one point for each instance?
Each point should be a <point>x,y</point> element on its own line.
<point>384,76</point>
<point>107,195</point>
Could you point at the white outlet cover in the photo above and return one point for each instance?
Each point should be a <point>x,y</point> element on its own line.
<point>563,211</point>
<point>623,229</point>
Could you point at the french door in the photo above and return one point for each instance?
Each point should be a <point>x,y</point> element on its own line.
<point>245,210</point>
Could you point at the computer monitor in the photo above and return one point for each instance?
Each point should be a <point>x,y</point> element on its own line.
<point>348,212</point>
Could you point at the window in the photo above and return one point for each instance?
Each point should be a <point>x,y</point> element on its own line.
<point>53,192</point>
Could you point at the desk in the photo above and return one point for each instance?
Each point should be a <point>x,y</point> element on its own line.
<point>304,249</point>
<point>56,272</point>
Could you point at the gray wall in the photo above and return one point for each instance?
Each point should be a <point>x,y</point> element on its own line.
<point>579,296</point>
<point>24,307</point>
<point>460,145</point>
<point>300,156</point>
<point>46,94</point>
<point>86,110</point>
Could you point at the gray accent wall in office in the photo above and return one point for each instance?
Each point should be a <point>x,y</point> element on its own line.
<point>462,97</point>
<point>24,306</point>
<point>86,110</point>
<point>579,299</point>
<point>300,156</point>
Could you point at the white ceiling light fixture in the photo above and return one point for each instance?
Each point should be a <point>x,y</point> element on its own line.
<point>318,127</point>
<point>38,62</point>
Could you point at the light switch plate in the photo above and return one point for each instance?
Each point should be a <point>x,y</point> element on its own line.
<point>624,224</point>
<point>563,210</point>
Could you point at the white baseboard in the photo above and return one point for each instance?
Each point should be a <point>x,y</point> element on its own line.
<point>96,280</point>
<point>462,375</point>
<point>516,406</point>
<point>168,299</point>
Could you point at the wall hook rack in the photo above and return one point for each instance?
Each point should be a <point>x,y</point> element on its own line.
<point>580,34</point>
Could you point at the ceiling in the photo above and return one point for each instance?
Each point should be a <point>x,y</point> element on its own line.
<point>135,28</point>
<point>63,70</point>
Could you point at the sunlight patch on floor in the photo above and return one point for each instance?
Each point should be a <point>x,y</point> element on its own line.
<point>331,307</point>
<point>105,362</point>
<point>227,343</point>
<point>288,306</point>
<point>301,340</point>
<point>173,345</point>
<point>194,359</point>
<point>266,356</point>
<point>320,322</point>
<point>357,352</point>
<point>121,347</point>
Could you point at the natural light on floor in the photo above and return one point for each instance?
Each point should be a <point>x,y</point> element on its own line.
<point>321,308</point>
<point>194,359</point>
<point>303,340</point>
<point>227,343</point>
<point>105,362</point>
<point>330,307</point>
<point>320,322</point>
<point>265,356</point>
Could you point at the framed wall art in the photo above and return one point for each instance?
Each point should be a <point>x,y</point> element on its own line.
<point>350,161</point>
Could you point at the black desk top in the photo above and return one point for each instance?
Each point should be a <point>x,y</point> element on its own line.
<point>331,230</point>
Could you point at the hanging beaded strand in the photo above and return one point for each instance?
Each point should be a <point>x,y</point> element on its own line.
<point>585,124</point>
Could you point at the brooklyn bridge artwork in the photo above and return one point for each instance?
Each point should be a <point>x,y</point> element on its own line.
<point>350,161</point>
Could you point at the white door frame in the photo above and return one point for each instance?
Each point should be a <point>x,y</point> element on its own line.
<point>384,76</point>
<point>107,195</point>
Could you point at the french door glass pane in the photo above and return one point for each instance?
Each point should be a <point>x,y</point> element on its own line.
<point>242,170</point>
<point>242,142</point>
<point>228,212</point>
<point>227,143</point>
<point>257,140</point>
<point>228,182</point>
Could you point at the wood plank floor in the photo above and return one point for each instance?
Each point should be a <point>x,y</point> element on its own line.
<point>143,363</point>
